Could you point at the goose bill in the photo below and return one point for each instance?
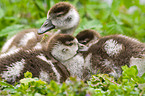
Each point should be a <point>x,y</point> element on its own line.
<point>47,25</point>
<point>82,47</point>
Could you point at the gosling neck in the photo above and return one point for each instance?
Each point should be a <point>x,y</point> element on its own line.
<point>68,31</point>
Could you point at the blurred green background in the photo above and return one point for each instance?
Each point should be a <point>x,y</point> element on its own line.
<point>105,16</point>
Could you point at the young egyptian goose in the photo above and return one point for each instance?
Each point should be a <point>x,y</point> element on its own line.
<point>44,64</point>
<point>62,16</point>
<point>88,37</point>
<point>67,53</point>
<point>26,39</point>
<point>112,52</point>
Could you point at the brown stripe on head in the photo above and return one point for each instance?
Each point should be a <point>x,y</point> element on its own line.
<point>61,38</point>
<point>86,36</point>
<point>60,9</point>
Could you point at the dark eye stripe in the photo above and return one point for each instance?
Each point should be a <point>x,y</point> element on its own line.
<point>59,15</point>
<point>69,43</point>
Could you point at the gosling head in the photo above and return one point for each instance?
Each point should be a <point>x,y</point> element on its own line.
<point>88,38</point>
<point>63,47</point>
<point>61,16</point>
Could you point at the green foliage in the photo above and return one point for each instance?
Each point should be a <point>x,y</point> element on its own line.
<point>34,86</point>
<point>129,84</point>
<point>2,40</point>
<point>28,74</point>
<point>16,15</point>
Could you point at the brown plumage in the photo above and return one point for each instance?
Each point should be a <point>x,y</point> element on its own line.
<point>14,65</point>
<point>67,53</point>
<point>60,9</point>
<point>23,39</point>
<point>62,38</point>
<point>62,16</point>
<point>34,65</point>
<point>88,37</point>
<point>112,52</point>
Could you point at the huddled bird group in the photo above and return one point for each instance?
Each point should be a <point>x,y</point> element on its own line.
<point>60,55</point>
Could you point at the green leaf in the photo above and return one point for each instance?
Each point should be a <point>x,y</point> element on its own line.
<point>27,80</point>
<point>115,5</point>
<point>143,78</point>
<point>130,72</point>
<point>39,22</point>
<point>113,28</point>
<point>28,74</point>
<point>1,13</point>
<point>4,84</point>
<point>12,30</point>
<point>129,3</point>
<point>11,90</point>
<point>92,24</point>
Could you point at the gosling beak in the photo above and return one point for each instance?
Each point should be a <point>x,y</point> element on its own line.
<point>82,47</point>
<point>47,25</point>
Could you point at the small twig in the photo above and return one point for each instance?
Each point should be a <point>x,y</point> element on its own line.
<point>141,94</point>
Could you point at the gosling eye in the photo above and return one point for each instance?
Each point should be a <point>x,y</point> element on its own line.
<point>83,42</point>
<point>69,43</point>
<point>64,50</point>
<point>59,15</point>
